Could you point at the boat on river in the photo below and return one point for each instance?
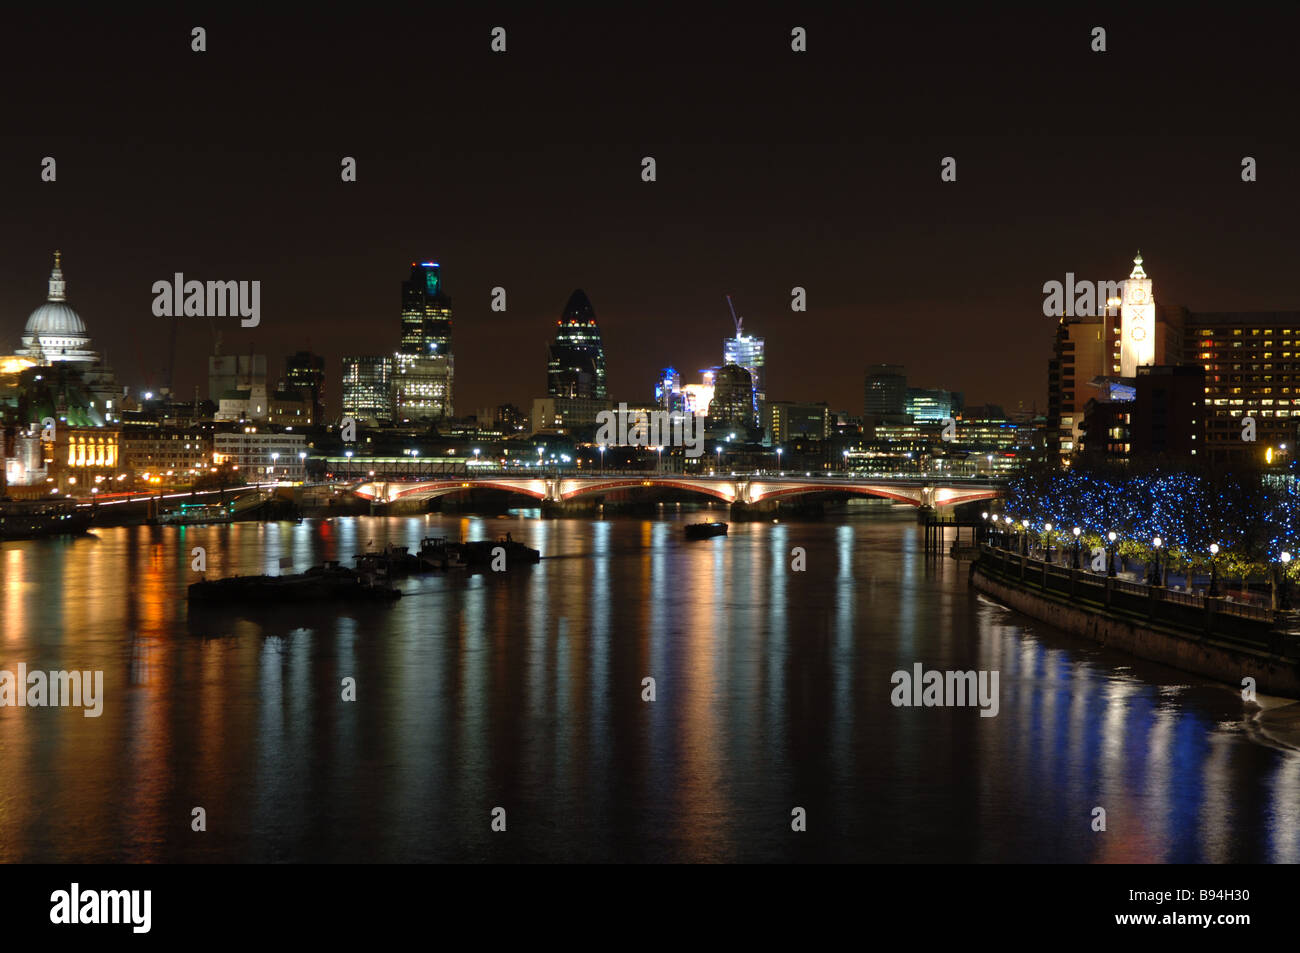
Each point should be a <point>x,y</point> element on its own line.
<point>705,530</point>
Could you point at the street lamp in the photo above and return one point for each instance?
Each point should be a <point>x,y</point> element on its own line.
<point>1214,571</point>
<point>660,465</point>
<point>1110,553</point>
<point>1285,597</point>
<point>778,459</point>
<point>348,454</point>
<point>1024,537</point>
<point>1155,572</point>
<point>1047,542</point>
<point>1076,532</point>
<point>602,458</point>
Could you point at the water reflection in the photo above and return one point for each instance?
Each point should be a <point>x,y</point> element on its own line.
<point>525,691</point>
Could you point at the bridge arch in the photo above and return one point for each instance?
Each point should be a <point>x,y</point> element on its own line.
<point>572,490</point>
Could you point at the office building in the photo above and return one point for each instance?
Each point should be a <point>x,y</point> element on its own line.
<point>927,404</point>
<point>1251,362</point>
<point>787,420</point>
<point>304,372</point>
<point>886,390</point>
<point>368,389</point>
<point>575,363</point>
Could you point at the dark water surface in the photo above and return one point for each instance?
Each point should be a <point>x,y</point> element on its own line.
<point>523,691</point>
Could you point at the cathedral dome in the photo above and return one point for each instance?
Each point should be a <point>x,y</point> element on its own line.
<point>54,331</point>
<point>55,318</point>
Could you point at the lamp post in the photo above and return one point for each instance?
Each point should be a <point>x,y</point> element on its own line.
<point>1285,602</point>
<point>778,460</point>
<point>1024,537</point>
<point>1214,571</point>
<point>1110,553</point>
<point>348,454</point>
<point>1076,532</point>
<point>1047,542</point>
<point>985,517</point>
<point>1156,578</point>
<point>602,459</point>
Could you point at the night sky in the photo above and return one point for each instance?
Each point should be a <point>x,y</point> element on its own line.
<point>775,169</point>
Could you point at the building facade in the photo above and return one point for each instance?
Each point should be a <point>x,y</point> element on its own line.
<point>262,455</point>
<point>575,361</point>
<point>368,389</point>
<point>886,391</point>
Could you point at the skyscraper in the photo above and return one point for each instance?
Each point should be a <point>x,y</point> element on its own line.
<point>423,367</point>
<point>304,373</point>
<point>368,388</point>
<point>732,407</point>
<point>426,312</point>
<point>575,365</point>
<point>746,351</point>
<point>668,390</point>
<point>886,390</point>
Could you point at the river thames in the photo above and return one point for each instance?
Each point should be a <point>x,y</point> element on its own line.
<point>524,690</point>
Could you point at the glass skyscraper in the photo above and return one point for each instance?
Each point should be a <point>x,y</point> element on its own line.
<point>745,350</point>
<point>423,368</point>
<point>426,312</point>
<point>368,388</point>
<point>575,365</point>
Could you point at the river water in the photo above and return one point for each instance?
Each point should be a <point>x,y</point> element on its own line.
<point>524,691</point>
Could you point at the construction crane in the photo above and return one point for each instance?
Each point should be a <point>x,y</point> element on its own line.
<point>738,322</point>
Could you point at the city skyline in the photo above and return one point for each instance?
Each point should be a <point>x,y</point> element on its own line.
<point>757,193</point>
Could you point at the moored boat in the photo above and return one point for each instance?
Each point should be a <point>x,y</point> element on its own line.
<point>705,530</point>
<point>319,584</point>
<point>27,519</point>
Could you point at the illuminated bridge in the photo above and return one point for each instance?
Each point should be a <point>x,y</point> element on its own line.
<point>746,490</point>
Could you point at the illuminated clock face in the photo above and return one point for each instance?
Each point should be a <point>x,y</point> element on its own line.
<point>1138,334</point>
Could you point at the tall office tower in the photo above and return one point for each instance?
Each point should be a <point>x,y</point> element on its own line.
<point>426,312</point>
<point>368,388</point>
<point>732,407</point>
<point>745,350</point>
<point>668,391</point>
<point>304,373</point>
<point>886,390</point>
<point>424,367</point>
<point>575,363</point>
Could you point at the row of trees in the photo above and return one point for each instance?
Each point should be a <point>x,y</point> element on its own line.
<point>1252,515</point>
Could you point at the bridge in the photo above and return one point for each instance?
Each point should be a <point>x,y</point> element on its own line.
<point>745,490</point>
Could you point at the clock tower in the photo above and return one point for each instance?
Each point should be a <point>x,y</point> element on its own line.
<point>1137,322</point>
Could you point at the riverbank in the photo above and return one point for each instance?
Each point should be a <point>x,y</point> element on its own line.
<point>1207,637</point>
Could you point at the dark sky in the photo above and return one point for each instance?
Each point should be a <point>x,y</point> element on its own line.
<point>775,169</point>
